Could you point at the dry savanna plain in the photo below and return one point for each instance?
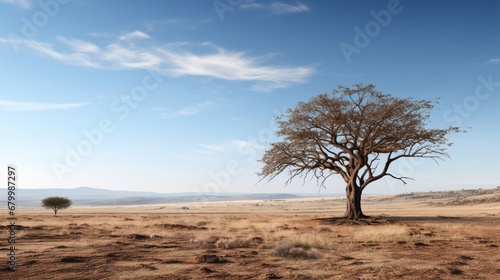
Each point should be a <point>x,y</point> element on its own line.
<point>437,235</point>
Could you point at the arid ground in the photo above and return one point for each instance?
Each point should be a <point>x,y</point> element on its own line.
<point>416,236</point>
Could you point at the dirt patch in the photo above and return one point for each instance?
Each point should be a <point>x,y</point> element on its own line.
<point>206,270</point>
<point>137,236</point>
<point>447,217</point>
<point>180,226</point>
<point>211,259</point>
<point>273,276</point>
<point>146,267</point>
<point>17,227</point>
<point>73,259</point>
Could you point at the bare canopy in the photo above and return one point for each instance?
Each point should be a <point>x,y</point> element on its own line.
<point>356,133</point>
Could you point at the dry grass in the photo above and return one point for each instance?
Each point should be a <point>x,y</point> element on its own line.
<point>296,251</point>
<point>239,240</point>
<point>389,233</point>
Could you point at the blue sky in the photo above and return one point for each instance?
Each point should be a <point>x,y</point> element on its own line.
<point>180,96</point>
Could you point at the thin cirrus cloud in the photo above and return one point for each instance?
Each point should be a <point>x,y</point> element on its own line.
<point>185,111</point>
<point>235,66</point>
<point>6,105</point>
<point>186,23</point>
<point>75,57</point>
<point>277,8</point>
<point>134,35</point>
<point>493,61</point>
<point>194,109</point>
<point>243,144</point>
<point>23,4</point>
<point>80,46</point>
<point>134,50</point>
<point>153,24</point>
<point>229,146</point>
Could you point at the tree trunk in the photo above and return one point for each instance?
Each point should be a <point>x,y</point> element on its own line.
<point>353,211</point>
<point>55,212</point>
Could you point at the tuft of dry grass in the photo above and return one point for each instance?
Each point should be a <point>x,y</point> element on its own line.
<point>210,242</point>
<point>204,242</point>
<point>230,243</point>
<point>388,233</point>
<point>155,236</point>
<point>296,251</point>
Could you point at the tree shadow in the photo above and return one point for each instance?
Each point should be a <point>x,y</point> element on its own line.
<point>353,222</point>
<point>384,219</point>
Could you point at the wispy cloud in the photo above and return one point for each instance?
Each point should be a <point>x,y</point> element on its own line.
<point>212,148</point>
<point>243,144</point>
<point>79,46</point>
<point>277,8</point>
<point>229,146</point>
<point>23,4</point>
<point>69,57</point>
<point>493,61</point>
<point>152,25</point>
<point>6,105</point>
<point>102,35</point>
<point>205,21</point>
<point>131,57</point>
<point>134,35</point>
<point>234,66</point>
<point>176,59</point>
<point>185,111</point>
<point>194,109</point>
<point>283,8</point>
<point>186,23</point>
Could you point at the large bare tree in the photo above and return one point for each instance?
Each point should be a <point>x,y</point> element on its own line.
<point>356,133</point>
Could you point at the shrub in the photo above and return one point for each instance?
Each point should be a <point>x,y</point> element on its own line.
<point>205,243</point>
<point>325,229</point>
<point>227,243</point>
<point>155,236</point>
<point>296,251</point>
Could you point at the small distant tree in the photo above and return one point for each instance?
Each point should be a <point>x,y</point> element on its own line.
<point>56,202</point>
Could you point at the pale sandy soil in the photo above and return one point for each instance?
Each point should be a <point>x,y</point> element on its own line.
<point>292,239</point>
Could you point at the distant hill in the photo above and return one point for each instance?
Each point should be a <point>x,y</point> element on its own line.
<point>190,198</point>
<point>93,196</point>
<point>454,197</point>
<point>87,196</point>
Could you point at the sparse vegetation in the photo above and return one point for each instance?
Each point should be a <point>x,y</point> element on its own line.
<point>231,243</point>
<point>144,242</point>
<point>325,229</point>
<point>296,251</point>
<point>387,233</point>
<point>205,242</point>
